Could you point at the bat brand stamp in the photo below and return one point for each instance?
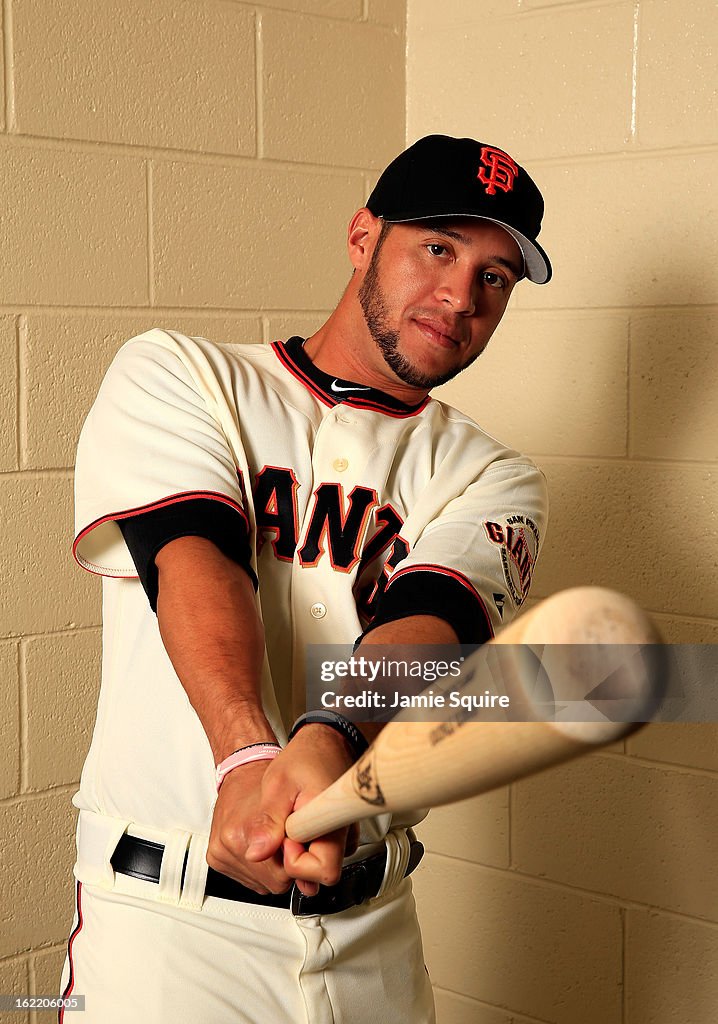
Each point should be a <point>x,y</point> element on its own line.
<point>366,783</point>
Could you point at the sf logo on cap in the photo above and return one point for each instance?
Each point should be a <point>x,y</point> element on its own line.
<point>501,168</point>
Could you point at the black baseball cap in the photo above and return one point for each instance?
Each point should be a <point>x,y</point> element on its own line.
<point>440,176</point>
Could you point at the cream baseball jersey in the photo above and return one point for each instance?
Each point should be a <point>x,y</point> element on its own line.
<point>354,509</point>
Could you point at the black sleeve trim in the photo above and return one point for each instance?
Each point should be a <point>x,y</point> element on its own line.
<point>435,590</point>
<point>146,533</point>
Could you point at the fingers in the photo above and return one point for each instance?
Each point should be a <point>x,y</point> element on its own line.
<point>318,864</point>
<point>292,852</point>
<point>263,837</point>
<point>257,864</point>
<point>320,756</point>
<point>245,838</point>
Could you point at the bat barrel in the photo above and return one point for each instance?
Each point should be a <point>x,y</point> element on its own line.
<point>602,662</point>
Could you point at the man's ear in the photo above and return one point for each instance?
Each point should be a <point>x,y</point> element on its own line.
<point>364,230</point>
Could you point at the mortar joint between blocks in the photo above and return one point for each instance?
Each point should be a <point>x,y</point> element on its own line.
<point>23,704</point>
<point>149,183</point>
<point>9,68</point>
<point>258,86</point>
<point>21,337</point>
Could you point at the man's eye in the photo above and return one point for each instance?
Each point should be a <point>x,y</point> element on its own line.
<point>494,280</point>
<point>436,249</point>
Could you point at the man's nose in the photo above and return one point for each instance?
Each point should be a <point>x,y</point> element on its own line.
<point>458,288</point>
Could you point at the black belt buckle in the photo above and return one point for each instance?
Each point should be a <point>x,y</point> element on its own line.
<point>350,891</point>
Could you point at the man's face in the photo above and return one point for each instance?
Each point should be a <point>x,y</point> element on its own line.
<point>434,293</point>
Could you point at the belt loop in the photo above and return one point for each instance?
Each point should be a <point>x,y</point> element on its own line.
<point>195,874</point>
<point>398,848</point>
<point>172,864</point>
<point>97,837</point>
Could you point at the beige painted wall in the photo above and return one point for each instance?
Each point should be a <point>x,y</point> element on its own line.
<point>187,165</point>
<point>166,167</point>
<point>589,896</point>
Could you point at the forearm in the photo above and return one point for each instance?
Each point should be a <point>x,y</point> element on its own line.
<point>214,637</point>
<point>410,631</point>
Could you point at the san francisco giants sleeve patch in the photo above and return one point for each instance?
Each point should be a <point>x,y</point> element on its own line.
<point>517,540</point>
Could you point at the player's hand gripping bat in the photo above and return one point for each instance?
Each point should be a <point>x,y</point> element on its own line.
<point>608,646</point>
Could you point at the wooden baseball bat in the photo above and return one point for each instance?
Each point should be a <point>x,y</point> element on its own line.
<point>597,633</point>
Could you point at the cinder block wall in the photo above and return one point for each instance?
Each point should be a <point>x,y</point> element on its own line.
<point>590,895</point>
<point>188,165</point>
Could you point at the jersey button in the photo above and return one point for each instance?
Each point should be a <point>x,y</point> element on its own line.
<point>340,465</point>
<point>318,610</point>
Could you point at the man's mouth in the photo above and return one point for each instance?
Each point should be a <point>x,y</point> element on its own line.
<point>437,332</point>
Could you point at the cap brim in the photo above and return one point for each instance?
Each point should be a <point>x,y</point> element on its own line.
<point>538,267</point>
<point>536,262</point>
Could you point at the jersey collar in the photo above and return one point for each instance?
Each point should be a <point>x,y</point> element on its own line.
<point>336,390</point>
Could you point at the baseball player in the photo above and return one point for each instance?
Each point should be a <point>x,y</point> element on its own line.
<point>241,503</point>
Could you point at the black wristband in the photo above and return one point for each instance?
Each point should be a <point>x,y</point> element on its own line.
<point>342,725</point>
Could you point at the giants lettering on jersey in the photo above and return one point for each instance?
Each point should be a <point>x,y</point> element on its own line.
<point>367,591</point>
<point>275,503</point>
<point>341,531</point>
<point>339,527</point>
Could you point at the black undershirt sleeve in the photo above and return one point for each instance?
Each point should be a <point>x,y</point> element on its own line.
<point>424,592</point>
<point>146,533</point>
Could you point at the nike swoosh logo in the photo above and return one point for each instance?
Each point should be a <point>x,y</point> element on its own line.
<point>338,388</point>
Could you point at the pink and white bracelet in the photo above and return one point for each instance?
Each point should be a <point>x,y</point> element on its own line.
<point>245,755</point>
